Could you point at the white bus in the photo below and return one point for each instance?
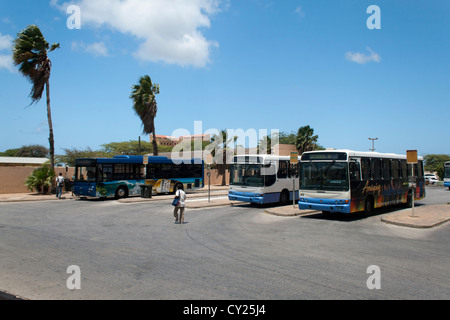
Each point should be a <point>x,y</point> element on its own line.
<point>350,181</point>
<point>263,179</point>
<point>447,174</point>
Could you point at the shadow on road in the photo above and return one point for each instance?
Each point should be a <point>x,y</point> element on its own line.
<point>349,217</point>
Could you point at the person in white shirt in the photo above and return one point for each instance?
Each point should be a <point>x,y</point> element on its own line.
<point>181,195</point>
<point>59,185</point>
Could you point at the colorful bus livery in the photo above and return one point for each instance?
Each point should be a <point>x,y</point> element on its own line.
<point>123,176</point>
<point>350,181</point>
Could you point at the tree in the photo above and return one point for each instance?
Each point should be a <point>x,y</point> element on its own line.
<point>72,154</point>
<point>435,163</point>
<point>30,55</point>
<point>220,141</point>
<point>145,106</point>
<point>32,151</point>
<point>131,148</point>
<point>306,140</point>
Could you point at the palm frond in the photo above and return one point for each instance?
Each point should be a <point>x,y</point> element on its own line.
<point>30,55</point>
<point>144,102</point>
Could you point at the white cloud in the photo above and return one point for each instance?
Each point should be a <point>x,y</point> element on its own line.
<point>98,49</point>
<point>362,58</point>
<point>5,42</point>
<point>6,61</point>
<point>300,12</point>
<point>169,30</point>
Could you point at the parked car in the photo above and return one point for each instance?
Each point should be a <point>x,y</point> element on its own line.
<point>431,175</point>
<point>430,179</point>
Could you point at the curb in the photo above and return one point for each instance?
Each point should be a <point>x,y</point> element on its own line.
<point>282,212</point>
<point>416,226</point>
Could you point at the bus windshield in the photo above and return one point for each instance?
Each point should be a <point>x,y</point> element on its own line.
<point>250,175</point>
<point>324,175</point>
<point>85,174</point>
<point>447,170</point>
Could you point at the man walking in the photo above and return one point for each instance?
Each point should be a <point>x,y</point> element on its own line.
<point>59,185</point>
<point>181,195</point>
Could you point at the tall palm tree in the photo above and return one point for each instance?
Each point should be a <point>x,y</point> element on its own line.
<point>306,140</point>
<point>30,54</point>
<point>145,106</point>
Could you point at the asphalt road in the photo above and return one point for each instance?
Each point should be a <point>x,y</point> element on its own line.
<point>134,251</point>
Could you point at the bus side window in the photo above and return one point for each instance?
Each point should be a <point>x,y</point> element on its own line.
<point>283,170</point>
<point>404,170</point>
<point>354,171</point>
<point>395,166</point>
<point>386,170</point>
<point>365,164</point>
<point>376,168</point>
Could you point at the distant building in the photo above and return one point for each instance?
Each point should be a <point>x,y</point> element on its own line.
<point>284,149</point>
<point>173,141</point>
<point>165,140</point>
<point>22,162</point>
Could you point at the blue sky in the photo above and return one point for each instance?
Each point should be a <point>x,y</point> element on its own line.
<point>236,64</point>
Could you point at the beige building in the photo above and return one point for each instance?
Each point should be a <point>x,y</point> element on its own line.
<point>172,141</point>
<point>284,149</point>
<point>14,172</point>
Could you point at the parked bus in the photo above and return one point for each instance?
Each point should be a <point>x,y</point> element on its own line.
<point>447,174</point>
<point>262,179</point>
<point>350,181</point>
<point>122,176</point>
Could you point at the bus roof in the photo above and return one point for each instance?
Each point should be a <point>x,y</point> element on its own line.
<point>124,159</point>
<point>258,158</point>
<point>364,154</point>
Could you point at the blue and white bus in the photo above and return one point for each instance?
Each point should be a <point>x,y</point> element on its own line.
<point>350,181</point>
<point>447,174</point>
<point>122,176</point>
<point>263,179</point>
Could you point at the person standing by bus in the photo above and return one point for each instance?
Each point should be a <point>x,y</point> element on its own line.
<point>59,185</point>
<point>181,195</point>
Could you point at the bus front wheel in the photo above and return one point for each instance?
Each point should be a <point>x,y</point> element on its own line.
<point>284,197</point>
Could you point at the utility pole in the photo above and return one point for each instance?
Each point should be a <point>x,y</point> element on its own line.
<point>373,144</point>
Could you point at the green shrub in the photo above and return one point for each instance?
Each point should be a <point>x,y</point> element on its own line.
<point>40,180</point>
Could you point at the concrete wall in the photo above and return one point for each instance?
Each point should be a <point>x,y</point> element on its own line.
<point>12,179</point>
<point>216,178</point>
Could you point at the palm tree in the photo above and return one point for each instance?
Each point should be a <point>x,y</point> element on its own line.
<point>30,54</point>
<point>306,140</point>
<point>221,141</point>
<point>145,106</point>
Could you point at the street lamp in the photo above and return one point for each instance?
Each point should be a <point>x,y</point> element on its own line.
<point>373,144</point>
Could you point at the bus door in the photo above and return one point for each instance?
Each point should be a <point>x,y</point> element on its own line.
<point>356,185</point>
<point>354,167</point>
